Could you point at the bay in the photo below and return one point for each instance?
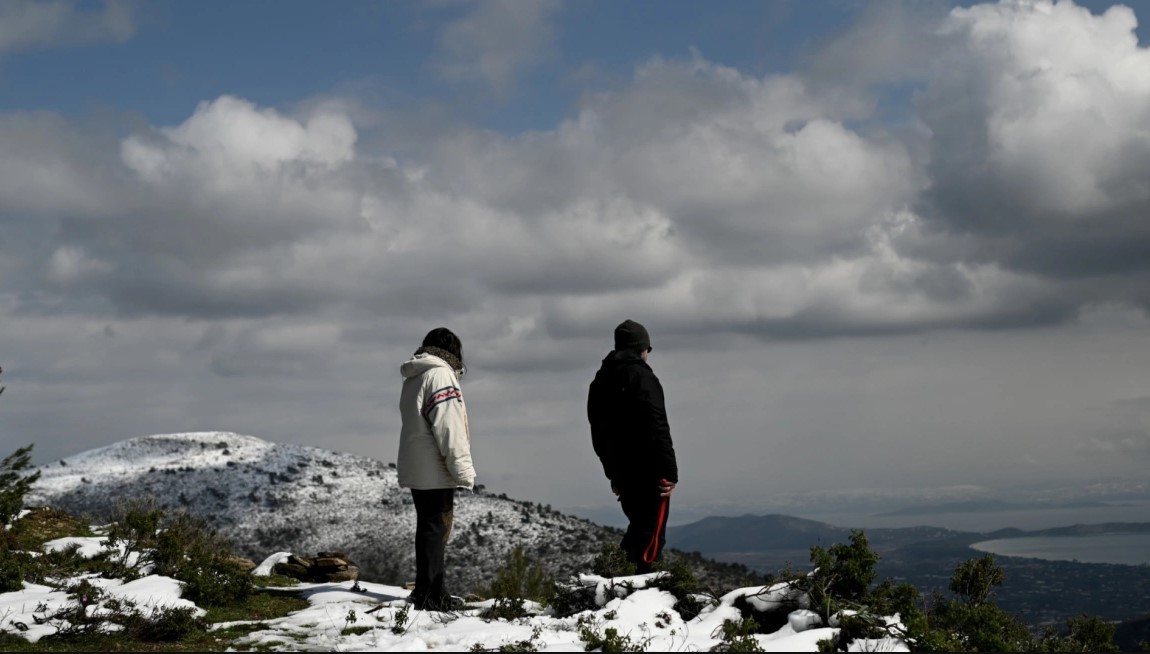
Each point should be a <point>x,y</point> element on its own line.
<point>1121,548</point>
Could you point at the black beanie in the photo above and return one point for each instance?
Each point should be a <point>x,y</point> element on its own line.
<point>630,335</point>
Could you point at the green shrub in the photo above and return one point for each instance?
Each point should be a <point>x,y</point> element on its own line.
<point>521,579</point>
<point>182,546</point>
<point>975,580</point>
<point>973,622</point>
<point>78,618</point>
<point>612,562</point>
<point>43,524</point>
<point>189,550</point>
<point>15,567</point>
<point>679,579</point>
<point>399,624</point>
<point>15,483</point>
<point>1084,634</point>
<point>572,598</point>
<point>163,624</point>
<point>506,608</point>
<point>738,636</point>
<point>889,598</point>
<point>844,572</point>
<point>209,584</point>
<point>134,529</point>
<point>62,564</point>
<point>610,640</point>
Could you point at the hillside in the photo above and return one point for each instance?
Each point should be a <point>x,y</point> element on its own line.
<point>1042,592</point>
<point>265,496</point>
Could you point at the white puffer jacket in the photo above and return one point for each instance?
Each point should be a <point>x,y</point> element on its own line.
<point>434,443</point>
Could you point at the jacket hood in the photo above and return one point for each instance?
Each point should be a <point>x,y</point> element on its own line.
<point>421,363</point>
<point>622,358</point>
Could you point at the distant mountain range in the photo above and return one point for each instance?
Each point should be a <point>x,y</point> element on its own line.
<point>750,533</point>
<point>265,496</point>
<point>985,506</point>
<point>775,532</point>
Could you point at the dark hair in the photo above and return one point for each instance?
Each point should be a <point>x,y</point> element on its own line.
<point>444,339</point>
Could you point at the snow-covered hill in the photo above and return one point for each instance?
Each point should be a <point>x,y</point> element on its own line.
<point>266,496</point>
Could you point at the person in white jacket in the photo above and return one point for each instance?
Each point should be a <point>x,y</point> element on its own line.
<point>434,456</point>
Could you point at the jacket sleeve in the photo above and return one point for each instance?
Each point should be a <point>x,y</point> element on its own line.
<point>654,413</point>
<point>446,414</point>
<point>599,437</point>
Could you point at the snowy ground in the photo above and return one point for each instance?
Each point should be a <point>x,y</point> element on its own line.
<point>337,617</point>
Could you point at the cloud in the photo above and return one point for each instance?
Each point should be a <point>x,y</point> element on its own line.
<point>1121,430</point>
<point>890,42</point>
<point>264,269</point>
<point>707,199</point>
<point>39,24</point>
<point>496,42</point>
<point>1038,143</point>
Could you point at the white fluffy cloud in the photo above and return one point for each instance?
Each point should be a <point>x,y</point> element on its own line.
<point>698,195</point>
<point>1039,141</point>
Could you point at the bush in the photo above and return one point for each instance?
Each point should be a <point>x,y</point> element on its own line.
<point>182,546</point>
<point>844,572</point>
<point>79,618</point>
<point>15,567</point>
<point>679,579</point>
<point>572,598</point>
<point>521,579</point>
<point>974,580</point>
<point>612,562</point>
<point>610,640</point>
<point>738,636</point>
<point>134,529</point>
<point>1083,634</point>
<point>15,483</point>
<point>165,624</point>
<point>42,524</point>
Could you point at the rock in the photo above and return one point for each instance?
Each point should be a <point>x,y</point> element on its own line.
<point>241,563</point>
<point>292,570</point>
<point>321,569</point>
<point>350,574</point>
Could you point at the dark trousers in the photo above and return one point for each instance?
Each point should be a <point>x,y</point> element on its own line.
<point>434,512</point>
<point>646,531</point>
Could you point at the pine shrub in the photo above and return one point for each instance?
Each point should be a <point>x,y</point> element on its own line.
<point>679,579</point>
<point>15,483</point>
<point>612,562</point>
<point>15,567</point>
<point>520,579</point>
<point>738,636</point>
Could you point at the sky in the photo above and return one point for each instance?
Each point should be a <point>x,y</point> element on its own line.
<point>913,235</point>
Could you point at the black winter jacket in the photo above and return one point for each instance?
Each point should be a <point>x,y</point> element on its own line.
<point>629,427</point>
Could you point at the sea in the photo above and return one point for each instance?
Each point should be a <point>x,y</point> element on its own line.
<point>1125,549</point>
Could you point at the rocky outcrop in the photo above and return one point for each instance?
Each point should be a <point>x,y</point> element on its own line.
<point>323,567</point>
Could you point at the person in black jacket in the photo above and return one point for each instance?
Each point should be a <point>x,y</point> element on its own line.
<point>632,439</point>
